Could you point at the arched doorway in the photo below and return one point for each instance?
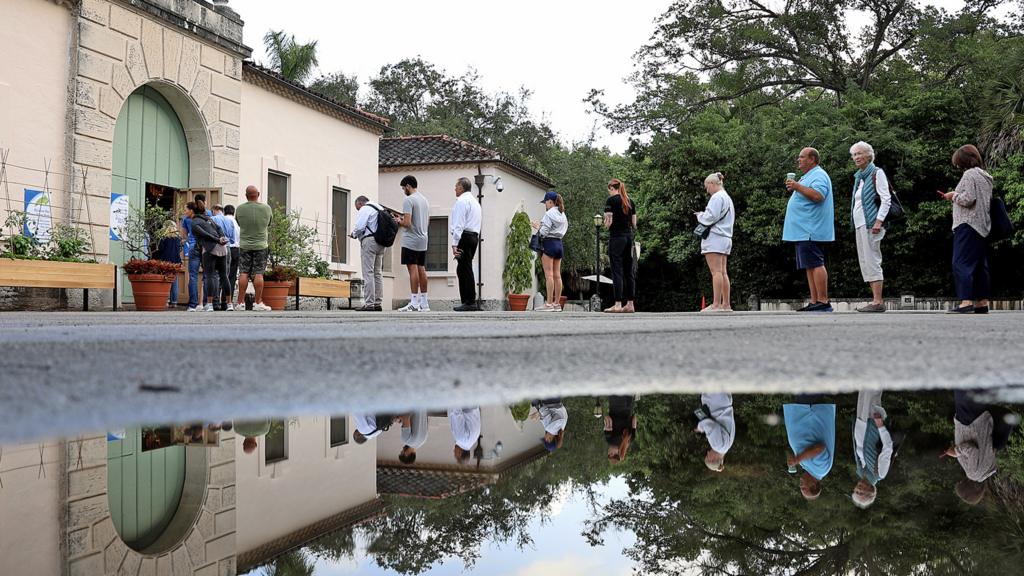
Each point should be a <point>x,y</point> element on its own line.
<point>150,147</point>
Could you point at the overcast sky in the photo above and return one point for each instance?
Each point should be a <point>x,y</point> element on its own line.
<point>559,49</point>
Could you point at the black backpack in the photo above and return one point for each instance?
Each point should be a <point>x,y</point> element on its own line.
<point>387,228</point>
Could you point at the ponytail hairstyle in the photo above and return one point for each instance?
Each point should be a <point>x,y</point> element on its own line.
<point>560,202</point>
<point>200,206</point>
<point>618,186</point>
<point>715,178</point>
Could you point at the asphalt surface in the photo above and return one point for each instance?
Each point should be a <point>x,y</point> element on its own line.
<point>64,373</point>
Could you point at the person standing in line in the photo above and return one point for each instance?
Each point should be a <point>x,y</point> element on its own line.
<point>811,429</point>
<point>194,254</point>
<point>414,435</point>
<point>251,430</point>
<point>215,251</point>
<point>253,219</point>
<point>552,228</point>
<point>415,220</point>
<point>233,253</point>
<point>169,250</point>
<point>720,216</point>
<point>371,254</point>
<point>619,427</point>
<point>554,417</point>
<point>465,233</point>
<point>465,423</point>
<point>227,226</point>
<point>809,224</point>
<point>972,223</point>
<point>369,426</point>
<point>979,431</point>
<point>718,424</point>
<point>870,434</point>
<point>620,221</point>
<point>870,204</point>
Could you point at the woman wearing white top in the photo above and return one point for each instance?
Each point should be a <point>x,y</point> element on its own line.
<point>552,228</point>
<point>871,202</point>
<point>720,216</point>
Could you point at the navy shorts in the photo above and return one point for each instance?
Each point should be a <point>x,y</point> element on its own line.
<point>413,257</point>
<point>809,254</point>
<point>553,248</point>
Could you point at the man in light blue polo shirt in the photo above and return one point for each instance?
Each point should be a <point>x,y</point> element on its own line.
<point>810,222</point>
<point>811,429</point>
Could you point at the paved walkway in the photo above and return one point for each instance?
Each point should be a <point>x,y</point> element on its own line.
<point>66,372</point>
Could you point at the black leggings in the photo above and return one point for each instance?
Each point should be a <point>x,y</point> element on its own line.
<point>215,273</point>
<point>620,253</point>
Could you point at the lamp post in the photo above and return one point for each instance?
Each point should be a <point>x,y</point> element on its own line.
<point>480,179</point>
<point>595,300</point>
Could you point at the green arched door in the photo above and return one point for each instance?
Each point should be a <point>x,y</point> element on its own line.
<point>144,487</point>
<point>149,146</point>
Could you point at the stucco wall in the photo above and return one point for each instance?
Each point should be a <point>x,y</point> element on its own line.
<point>315,482</point>
<point>30,508</point>
<point>437,183</point>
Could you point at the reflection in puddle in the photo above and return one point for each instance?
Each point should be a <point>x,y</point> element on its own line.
<point>894,483</point>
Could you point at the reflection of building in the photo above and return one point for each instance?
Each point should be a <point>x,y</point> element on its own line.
<point>437,162</point>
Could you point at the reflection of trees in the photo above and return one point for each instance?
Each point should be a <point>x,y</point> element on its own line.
<point>751,519</point>
<point>295,563</point>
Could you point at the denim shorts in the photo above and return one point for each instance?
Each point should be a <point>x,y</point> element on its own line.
<point>809,254</point>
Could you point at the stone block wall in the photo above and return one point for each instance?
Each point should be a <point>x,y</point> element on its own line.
<point>92,545</point>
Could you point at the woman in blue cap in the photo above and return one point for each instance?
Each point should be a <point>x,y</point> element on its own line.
<point>552,229</point>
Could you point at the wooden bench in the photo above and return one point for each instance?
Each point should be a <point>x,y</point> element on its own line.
<point>321,288</point>
<point>48,274</point>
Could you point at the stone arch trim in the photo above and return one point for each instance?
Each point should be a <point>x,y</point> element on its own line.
<point>121,47</point>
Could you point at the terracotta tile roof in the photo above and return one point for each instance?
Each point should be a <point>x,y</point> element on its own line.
<point>353,112</point>
<point>440,149</point>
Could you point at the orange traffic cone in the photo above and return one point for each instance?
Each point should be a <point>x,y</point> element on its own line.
<point>703,302</point>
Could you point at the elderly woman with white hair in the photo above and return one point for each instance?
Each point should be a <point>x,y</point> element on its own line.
<point>872,198</point>
<point>716,228</point>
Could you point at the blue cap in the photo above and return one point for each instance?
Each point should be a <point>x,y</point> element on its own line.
<point>550,446</point>
<point>551,195</point>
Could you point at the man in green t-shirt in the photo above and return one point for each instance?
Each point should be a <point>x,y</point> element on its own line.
<point>254,224</point>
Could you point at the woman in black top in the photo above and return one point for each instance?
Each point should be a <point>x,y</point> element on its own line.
<point>620,221</point>
<point>619,427</point>
<point>215,266</point>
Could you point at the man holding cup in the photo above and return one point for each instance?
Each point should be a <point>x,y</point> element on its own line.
<point>810,222</point>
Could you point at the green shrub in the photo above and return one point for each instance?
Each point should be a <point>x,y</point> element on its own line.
<point>518,256</point>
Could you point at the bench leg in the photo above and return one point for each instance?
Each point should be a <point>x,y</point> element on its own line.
<point>85,300</point>
<point>328,303</point>
<point>115,288</point>
<point>296,294</point>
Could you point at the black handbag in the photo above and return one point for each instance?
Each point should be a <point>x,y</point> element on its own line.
<point>703,231</point>
<point>1002,226</point>
<point>536,242</point>
<point>896,212</point>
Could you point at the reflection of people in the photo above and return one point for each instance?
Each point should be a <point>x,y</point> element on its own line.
<point>719,426</point>
<point>554,417</point>
<point>414,434</point>
<point>811,428</point>
<point>370,426</point>
<point>619,427</point>
<point>251,430</point>
<point>980,430</point>
<point>872,447</point>
<point>465,423</point>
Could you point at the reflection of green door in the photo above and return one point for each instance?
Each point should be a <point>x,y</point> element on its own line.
<point>149,146</point>
<point>143,488</point>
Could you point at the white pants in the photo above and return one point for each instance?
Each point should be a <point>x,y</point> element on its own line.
<point>869,253</point>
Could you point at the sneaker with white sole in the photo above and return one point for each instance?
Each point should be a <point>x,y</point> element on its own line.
<point>410,307</point>
<point>192,309</point>
<point>208,308</point>
<point>261,307</point>
<point>424,309</point>
<point>230,308</point>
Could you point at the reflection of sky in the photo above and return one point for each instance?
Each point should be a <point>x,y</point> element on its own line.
<point>558,546</point>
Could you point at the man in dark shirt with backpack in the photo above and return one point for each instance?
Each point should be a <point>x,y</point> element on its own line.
<point>375,229</point>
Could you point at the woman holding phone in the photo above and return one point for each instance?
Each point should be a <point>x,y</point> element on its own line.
<point>972,223</point>
<point>719,216</point>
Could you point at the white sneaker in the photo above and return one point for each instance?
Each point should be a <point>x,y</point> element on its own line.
<point>261,307</point>
<point>231,307</point>
<point>424,309</point>
<point>546,308</point>
<point>238,307</point>
<point>192,309</point>
<point>410,307</point>
<point>208,308</point>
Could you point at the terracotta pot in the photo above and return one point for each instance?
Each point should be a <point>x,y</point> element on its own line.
<point>151,291</point>
<point>518,302</point>
<point>562,300</point>
<point>275,294</point>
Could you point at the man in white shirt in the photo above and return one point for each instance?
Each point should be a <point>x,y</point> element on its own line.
<point>369,426</point>
<point>465,423</point>
<point>719,427</point>
<point>371,253</point>
<point>465,234</point>
<point>234,249</point>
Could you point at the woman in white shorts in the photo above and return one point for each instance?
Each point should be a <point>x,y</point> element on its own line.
<point>720,216</point>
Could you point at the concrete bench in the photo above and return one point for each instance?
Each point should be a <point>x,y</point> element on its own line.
<point>321,288</point>
<point>49,274</point>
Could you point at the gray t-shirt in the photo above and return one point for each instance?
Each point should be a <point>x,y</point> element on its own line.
<point>415,237</point>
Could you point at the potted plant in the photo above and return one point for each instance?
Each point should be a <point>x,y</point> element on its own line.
<point>151,279</point>
<point>518,262</point>
<point>292,254</point>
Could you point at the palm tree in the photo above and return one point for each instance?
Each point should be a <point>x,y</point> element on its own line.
<point>294,61</point>
<point>1002,130</point>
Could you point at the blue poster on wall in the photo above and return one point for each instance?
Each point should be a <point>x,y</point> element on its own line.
<point>38,215</point>
<point>118,214</point>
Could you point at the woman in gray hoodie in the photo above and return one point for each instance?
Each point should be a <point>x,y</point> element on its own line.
<point>972,223</point>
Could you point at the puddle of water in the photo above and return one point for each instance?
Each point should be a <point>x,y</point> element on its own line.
<point>895,483</point>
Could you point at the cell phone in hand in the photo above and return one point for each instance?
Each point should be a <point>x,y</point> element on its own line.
<point>701,414</point>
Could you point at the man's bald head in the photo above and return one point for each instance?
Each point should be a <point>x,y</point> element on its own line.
<point>252,193</point>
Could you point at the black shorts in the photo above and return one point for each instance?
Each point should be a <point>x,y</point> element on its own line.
<point>809,255</point>
<point>413,257</point>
